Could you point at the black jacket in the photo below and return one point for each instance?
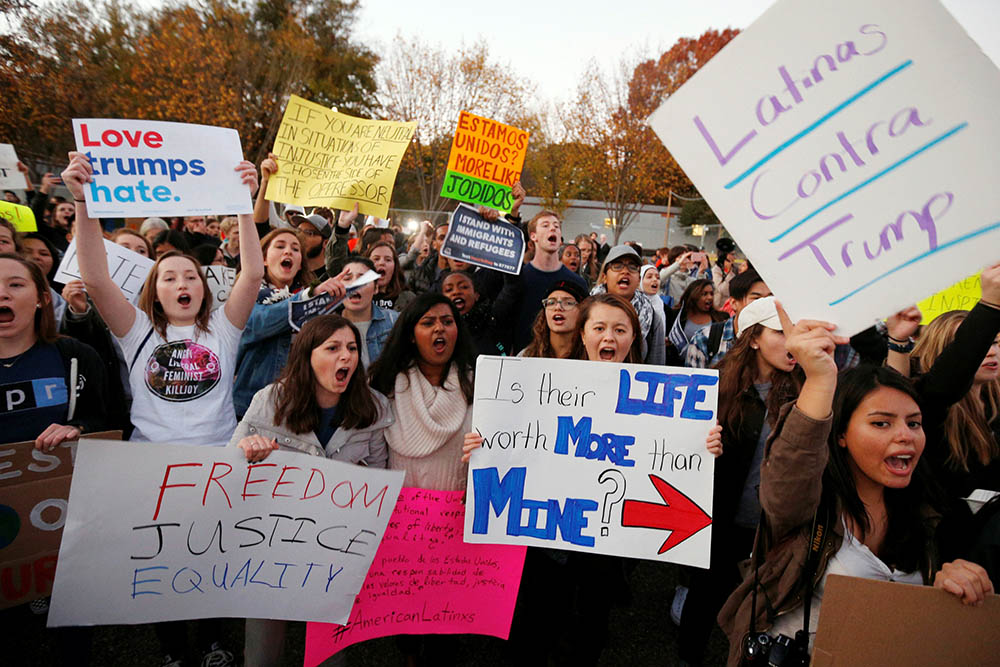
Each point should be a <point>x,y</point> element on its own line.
<point>86,383</point>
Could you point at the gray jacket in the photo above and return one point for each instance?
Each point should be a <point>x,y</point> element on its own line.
<point>361,446</point>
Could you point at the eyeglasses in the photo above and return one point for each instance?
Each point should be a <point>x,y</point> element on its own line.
<point>565,304</point>
<point>619,265</point>
<point>308,232</point>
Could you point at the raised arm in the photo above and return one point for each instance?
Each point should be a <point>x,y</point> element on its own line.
<point>92,258</point>
<point>244,293</point>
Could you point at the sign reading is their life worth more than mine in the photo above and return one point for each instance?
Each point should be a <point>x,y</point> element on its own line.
<point>474,239</point>
<point>851,150</point>
<point>426,580</point>
<point>485,161</point>
<point>593,456</point>
<point>147,168</point>
<point>167,532</point>
<point>326,158</point>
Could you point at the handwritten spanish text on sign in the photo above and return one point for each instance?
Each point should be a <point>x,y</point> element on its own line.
<point>128,269</point>
<point>474,239</point>
<point>852,165</point>
<point>153,168</point>
<point>34,489</point>
<point>331,159</point>
<point>10,177</point>
<point>164,532</point>
<point>485,161</point>
<point>426,580</point>
<point>593,456</point>
<point>22,217</point>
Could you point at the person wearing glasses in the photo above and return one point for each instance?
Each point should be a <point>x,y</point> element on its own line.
<point>315,230</point>
<point>555,330</point>
<point>620,276</point>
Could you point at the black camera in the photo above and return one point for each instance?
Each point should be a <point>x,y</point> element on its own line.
<point>762,650</point>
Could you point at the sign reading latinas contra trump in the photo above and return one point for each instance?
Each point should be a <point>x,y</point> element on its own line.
<point>851,149</point>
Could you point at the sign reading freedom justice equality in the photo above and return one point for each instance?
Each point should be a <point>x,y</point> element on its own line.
<point>326,158</point>
<point>851,149</point>
<point>595,457</point>
<point>166,532</point>
<point>485,161</point>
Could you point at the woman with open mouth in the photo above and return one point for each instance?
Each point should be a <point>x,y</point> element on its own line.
<point>842,491</point>
<point>391,292</point>
<point>608,326</point>
<point>554,333</point>
<point>475,310</point>
<point>373,322</point>
<point>320,405</point>
<point>694,312</point>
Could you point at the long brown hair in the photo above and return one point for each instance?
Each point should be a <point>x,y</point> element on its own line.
<point>967,426</point>
<point>45,318</point>
<point>149,304</point>
<point>635,349</point>
<point>398,281</point>
<point>295,403</point>
<point>738,372</point>
<point>305,275</point>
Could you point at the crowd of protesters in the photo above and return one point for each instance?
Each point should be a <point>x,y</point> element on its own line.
<point>879,437</point>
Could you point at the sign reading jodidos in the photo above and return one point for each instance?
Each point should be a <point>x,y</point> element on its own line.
<point>474,239</point>
<point>165,532</point>
<point>854,165</point>
<point>596,457</point>
<point>153,168</point>
<point>485,161</point>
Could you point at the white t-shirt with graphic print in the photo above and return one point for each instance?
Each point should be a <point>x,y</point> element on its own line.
<point>182,387</point>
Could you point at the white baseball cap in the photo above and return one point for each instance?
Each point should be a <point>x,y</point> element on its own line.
<point>760,311</point>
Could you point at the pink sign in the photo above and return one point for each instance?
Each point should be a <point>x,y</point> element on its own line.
<point>426,580</point>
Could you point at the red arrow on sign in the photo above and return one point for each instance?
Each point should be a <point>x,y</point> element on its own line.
<point>680,514</point>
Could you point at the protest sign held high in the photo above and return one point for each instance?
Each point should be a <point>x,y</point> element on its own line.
<point>164,532</point>
<point>426,580</point>
<point>852,166</point>
<point>485,161</point>
<point>474,239</point>
<point>10,177</point>
<point>128,269</point>
<point>21,217</point>
<point>595,457</point>
<point>326,158</point>
<point>154,168</point>
<point>300,312</point>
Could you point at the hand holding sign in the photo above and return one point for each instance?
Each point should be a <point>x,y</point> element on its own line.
<point>300,312</point>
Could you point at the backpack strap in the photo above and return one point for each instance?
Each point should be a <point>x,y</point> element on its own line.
<point>714,339</point>
<point>139,349</point>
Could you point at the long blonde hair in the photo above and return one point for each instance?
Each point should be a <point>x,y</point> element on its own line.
<point>967,426</point>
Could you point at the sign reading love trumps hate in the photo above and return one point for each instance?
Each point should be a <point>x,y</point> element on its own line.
<point>485,161</point>
<point>593,456</point>
<point>154,168</point>
<point>426,580</point>
<point>164,532</point>
<point>853,166</point>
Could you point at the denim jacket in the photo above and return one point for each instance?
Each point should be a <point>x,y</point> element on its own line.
<point>382,323</point>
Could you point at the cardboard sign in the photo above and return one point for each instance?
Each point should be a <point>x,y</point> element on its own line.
<point>852,166</point>
<point>485,161</point>
<point>474,239</point>
<point>146,168</point>
<point>963,295</point>
<point>22,217</point>
<point>331,159</point>
<point>425,580</point>
<point>866,622</point>
<point>128,269</point>
<point>10,177</point>
<point>34,486</point>
<point>595,457</point>
<point>300,312</point>
<point>167,532</point>
<point>220,283</point>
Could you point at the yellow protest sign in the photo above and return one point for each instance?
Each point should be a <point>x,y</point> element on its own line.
<point>485,161</point>
<point>20,216</point>
<point>326,158</point>
<point>963,295</point>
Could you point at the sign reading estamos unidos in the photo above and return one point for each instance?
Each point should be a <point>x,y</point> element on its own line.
<point>485,161</point>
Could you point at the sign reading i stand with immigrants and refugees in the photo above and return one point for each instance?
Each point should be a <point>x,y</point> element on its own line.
<point>166,532</point>
<point>485,161</point>
<point>595,457</point>
<point>300,312</point>
<point>474,239</point>
<point>426,580</point>
<point>851,150</point>
<point>147,168</point>
<point>326,158</point>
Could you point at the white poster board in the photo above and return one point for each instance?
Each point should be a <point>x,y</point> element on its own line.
<point>166,532</point>
<point>10,177</point>
<point>128,269</point>
<point>146,168</point>
<point>595,457</point>
<point>851,150</point>
<point>220,283</point>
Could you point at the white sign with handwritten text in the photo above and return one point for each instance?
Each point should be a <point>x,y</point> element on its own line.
<point>851,150</point>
